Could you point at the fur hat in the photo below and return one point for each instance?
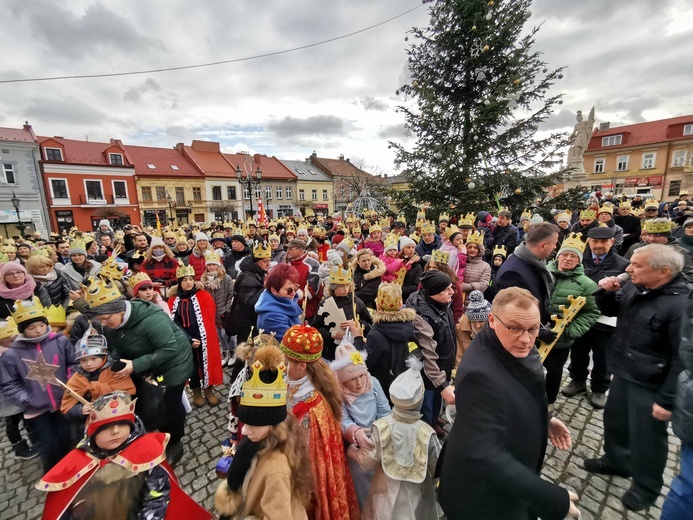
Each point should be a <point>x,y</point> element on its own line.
<point>348,362</point>
<point>407,390</point>
<point>477,308</point>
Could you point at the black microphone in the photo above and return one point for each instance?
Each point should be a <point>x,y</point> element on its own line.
<point>622,278</point>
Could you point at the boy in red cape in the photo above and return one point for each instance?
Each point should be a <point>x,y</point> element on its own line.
<point>117,472</point>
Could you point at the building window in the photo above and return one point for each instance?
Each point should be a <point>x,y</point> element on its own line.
<point>54,154</point>
<point>268,192</point>
<point>674,188</point>
<point>324,195</point>
<point>351,193</point>
<point>622,163</point>
<point>612,140</point>
<point>197,194</point>
<point>258,192</point>
<point>341,192</point>
<point>8,176</point>
<point>279,192</point>
<point>94,190</point>
<point>687,129</point>
<point>231,192</point>
<point>301,194</point>
<point>216,192</point>
<point>59,189</point>
<point>146,193</point>
<point>161,193</point>
<point>678,159</point>
<point>174,167</point>
<point>180,196</point>
<point>116,159</point>
<point>120,190</point>
<point>289,192</point>
<point>648,160</point>
<point>246,192</point>
<point>314,195</point>
<point>599,165</point>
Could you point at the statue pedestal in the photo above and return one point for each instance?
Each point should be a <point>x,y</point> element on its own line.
<point>577,167</point>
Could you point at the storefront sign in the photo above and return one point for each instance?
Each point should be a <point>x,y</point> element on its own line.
<point>631,182</point>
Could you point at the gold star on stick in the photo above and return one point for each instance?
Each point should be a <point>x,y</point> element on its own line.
<point>40,370</point>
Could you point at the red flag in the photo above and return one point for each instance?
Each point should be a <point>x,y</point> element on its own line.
<point>260,211</point>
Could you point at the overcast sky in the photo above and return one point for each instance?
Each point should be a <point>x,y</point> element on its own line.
<point>629,58</point>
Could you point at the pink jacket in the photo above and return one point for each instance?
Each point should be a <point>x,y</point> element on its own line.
<point>457,259</point>
<point>392,265</point>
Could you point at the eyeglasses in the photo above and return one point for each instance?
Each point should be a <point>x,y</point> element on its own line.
<point>103,320</point>
<point>517,332</point>
<point>14,273</point>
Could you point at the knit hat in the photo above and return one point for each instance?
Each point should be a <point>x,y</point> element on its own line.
<point>104,222</point>
<point>137,280</point>
<point>477,307</point>
<point>238,238</point>
<point>156,242</point>
<point>688,222</point>
<point>389,296</point>
<point>405,241</point>
<point>78,247</point>
<point>407,390</point>
<point>435,282</point>
<point>348,362</point>
<point>564,217</point>
<point>263,395</point>
<point>302,343</point>
<point>572,244</point>
<point>200,236</point>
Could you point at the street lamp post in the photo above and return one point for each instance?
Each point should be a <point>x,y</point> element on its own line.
<point>16,202</point>
<point>171,205</point>
<point>248,181</point>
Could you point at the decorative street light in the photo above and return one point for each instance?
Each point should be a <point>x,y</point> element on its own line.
<point>171,205</point>
<point>248,181</point>
<point>15,202</point>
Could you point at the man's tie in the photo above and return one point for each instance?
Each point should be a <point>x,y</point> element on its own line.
<point>596,260</point>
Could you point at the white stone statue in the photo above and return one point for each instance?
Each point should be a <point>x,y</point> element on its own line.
<point>582,133</point>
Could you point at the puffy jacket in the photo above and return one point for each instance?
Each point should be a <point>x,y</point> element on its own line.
<point>411,280</point>
<point>276,314</point>
<point>366,283</point>
<point>232,261</point>
<point>246,292</point>
<point>58,291</point>
<point>153,342</point>
<point>477,273</point>
<point>223,294</point>
<point>647,340</point>
<point>573,283</point>
<point>683,411</point>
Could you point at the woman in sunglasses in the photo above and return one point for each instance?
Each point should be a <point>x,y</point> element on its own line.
<point>277,309</point>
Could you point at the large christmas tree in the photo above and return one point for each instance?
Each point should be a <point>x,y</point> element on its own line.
<point>476,98</point>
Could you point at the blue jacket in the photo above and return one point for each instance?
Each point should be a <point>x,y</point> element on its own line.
<point>27,393</point>
<point>276,314</point>
<point>422,249</point>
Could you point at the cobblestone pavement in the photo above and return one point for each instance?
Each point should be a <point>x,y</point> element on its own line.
<point>206,427</point>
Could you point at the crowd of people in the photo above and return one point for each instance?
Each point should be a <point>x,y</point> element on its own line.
<point>350,343</point>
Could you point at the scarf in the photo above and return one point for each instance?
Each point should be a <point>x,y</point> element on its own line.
<point>46,279</point>
<point>212,281</point>
<point>23,292</point>
<point>240,464</point>
<point>34,341</point>
<point>299,388</point>
<point>527,257</point>
<point>529,370</point>
<point>349,396</point>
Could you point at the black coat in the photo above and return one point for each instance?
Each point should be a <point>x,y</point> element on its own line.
<point>611,265</point>
<point>231,261</point>
<point>496,448</point>
<point>411,280</point>
<point>507,236</point>
<point>59,291</point>
<point>246,292</point>
<point>515,272</point>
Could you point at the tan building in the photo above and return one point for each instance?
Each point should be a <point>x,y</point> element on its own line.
<point>314,188</point>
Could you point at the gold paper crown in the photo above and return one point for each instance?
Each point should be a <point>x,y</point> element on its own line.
<point>624,204</point>
<point>98,291</point>
<point>8,328</point>
<point>41,251</point>
<point>24,310</point>
<point>256,393</point>
<point>658,225</point>
<point>218,234</point>
<point>348,243</point>
<point>526,215</point>
<point>56,316</point>
<point>639,211</point>
<point>500,250</point>
<point>302,227</point>
<point>4,257</point>
<point>185,270</point>
<point>339,276</point>
<point>450,230</point>
<point>399,276</point>
<point>421,215</point>
<point>78,243</point>
<point>272,223</point>
<point>392,239</point>
<point>651,203</point>
<point>262,250</point>
<point>350,220</point>
<point>111,408</point>
<point>384,222</point>
<point>573,241</point>
<point>9,248</point>
<point>389,296</point>
<point>169,234</point>
<point>428,227</point>
<point>467,220</point>
<point>607,208</point>
<point>415,237</point>
<point>319,231</point>
<point>376,227</point>
<point>112,269</point>
<point>439,256</point>
<point>138,278</point>
<point>443,216</point>
<point>211,256</point>
<point>475,238</point>
<point>588,213</point>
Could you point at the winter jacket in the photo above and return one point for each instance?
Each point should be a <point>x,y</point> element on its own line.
<point>632,227</point>
<point>435,334</point>
<point>392,265</point>
<point>457,260</point>
<point>40,292</point>
<point>611,265</point>
<point>515,272</point>
<point>276,314</point>
<point>58,290</point>
<point>232,261</point>
<point>199,262</point>
<point>345,303</point>
<point>222,294</point>
<point>309,279</point>
<point>163,272</point>
<point>389,342</point>
<point>507,236</point>
<point>411,280</point>
<point>27,393</point>
<point>366,283</point>
<point>75,278</point>
<point>98,234</point>
<point>153,342</point>
<point>672,242</point>
<point>422,249</point>
<point>374,245</point>
<point>573,283</point>
<point>246,292</point>
<point>645,347</point>
<point>683,410</point>
<point>279,255</point>
<point>477,273</point>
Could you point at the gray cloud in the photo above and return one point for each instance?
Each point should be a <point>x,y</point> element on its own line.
<point>323,125</point>
<point>135,93</point>
<point>393,132</point>
<point>54,110</point>
<point>371,103</point>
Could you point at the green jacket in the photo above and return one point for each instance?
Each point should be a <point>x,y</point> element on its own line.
<point>573,283</point>
<point>153,342</point>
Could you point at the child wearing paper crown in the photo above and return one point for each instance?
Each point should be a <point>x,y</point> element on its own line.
<point>404,455</point>
<point>315,400</point>
<point>93,376</point>
<point>363,401</point>
<point>117,471</point>
<point>269,476</point>
<point>392,263</point>
<point>35,357</point>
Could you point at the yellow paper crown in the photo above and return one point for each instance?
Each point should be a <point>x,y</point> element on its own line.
<point>4,257</point>
<point>262,250</point>
<point>443,217</point>
<point>41,251</point>
<point>138,278</point>
<point>78,243</point>
<point>624,204</point>
<point>256,393</point>
<point>573,241</point>
<point>389,296</point>
<point>218,234</point>
<point>526,215</point>
<point>9,248</point>
<point>588,213</point>
<point>376,227</point>
<point>8,328</point>
<point>56,316</point>
<point>399,276</point>
<point>112,269</point>
<point>339,276</point>
<point>24,310</point>
<point>475,238</point>
<point>185,270</point>
<point>211,256</point>
<point>392,239</point>
<point>500,250</point>
<point>607,208</point>
<point>99,290</point>
<point>658,225</point>
<point>450,230</point>
<point>651,203</point>
<point>466,221</point>
<point>347,243</point>
<point>439,256</point>
<point>428,227</point>
<point>415,237</point>
<point>384,222</point>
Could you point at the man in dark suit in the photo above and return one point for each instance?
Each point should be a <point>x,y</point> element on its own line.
<point>493,458</point>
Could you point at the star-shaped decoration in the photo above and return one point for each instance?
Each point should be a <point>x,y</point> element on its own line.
<point>40,370</point>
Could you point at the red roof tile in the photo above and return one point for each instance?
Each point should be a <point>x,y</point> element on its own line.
<point>271,167</point>
<point>21,135</point>
<point>163,160</point>
<point>207,157</point>
<point>338,167</point>
<point>642,133</point>
<point>85,152</point>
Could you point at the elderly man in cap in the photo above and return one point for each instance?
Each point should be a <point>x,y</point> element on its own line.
<point>600,260</point>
